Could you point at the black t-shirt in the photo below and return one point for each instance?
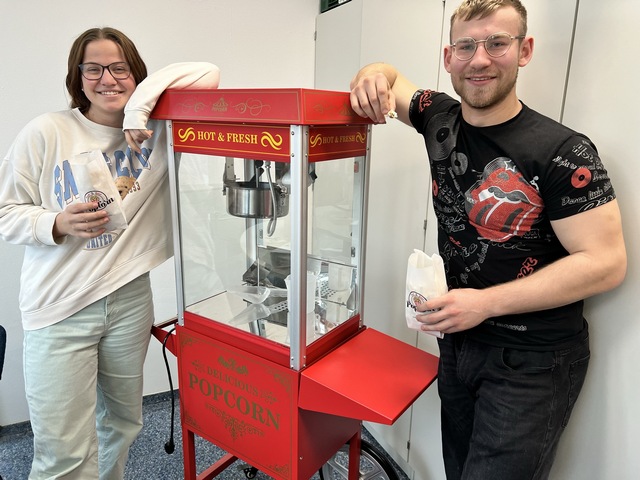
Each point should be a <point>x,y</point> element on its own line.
<point>495,190</point>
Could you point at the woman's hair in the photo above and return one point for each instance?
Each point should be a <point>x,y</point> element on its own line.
<point>76,55</point>
<point>470,9</point>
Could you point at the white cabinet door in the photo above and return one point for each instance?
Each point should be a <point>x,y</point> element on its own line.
<point>603,101</point>
<point>338,42</point>
<point>405,33</point>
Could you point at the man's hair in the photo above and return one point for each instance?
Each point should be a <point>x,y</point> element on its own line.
<point>470,9</point>
<point>74,77</point>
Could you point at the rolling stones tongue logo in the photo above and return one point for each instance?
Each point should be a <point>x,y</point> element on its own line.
<point>502,204</point>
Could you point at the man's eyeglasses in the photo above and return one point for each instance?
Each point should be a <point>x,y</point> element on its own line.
<point>94,71</point>
<point>496,45</point>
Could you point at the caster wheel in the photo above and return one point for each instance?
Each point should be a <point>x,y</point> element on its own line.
<point>248,470</point>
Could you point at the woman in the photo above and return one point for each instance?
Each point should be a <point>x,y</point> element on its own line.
<point>85,295</point>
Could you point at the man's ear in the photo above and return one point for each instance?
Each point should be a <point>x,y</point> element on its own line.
<point>448,51</point>
<point>526,51</point>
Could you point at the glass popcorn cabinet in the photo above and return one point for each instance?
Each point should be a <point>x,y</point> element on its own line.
<point>270,217</point>
<point>269,206</point>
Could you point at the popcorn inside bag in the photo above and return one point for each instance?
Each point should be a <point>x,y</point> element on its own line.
<point>425,279</point>
<point>95,184</point>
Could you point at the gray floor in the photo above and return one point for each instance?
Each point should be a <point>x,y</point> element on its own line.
<point>147,458</point>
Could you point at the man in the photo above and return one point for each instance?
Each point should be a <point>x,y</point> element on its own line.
<point>528,226</point>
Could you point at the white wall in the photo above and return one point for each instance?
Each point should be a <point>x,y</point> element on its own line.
<point>587,81</point>
<point>603,101</point>
<point>255,43</point>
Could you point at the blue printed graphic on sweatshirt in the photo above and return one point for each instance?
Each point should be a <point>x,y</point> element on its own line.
<point>124,164</point>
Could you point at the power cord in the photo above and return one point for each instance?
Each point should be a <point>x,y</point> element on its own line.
<point>169,447</point>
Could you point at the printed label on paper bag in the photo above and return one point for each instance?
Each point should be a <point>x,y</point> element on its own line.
<point>95,184</point>
<point>425,279</point>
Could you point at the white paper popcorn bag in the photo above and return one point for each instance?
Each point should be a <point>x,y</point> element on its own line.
<point>425,279</point>
<point>95,184</point>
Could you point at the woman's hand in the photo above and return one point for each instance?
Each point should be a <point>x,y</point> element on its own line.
<point>82,220</point>
<point>135,137</point>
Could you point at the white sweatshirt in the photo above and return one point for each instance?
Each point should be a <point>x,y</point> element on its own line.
<point>36,183</point>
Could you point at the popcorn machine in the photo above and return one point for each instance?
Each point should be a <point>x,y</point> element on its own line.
<point>269,204</point>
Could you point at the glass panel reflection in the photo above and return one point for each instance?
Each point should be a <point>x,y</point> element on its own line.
<point>236,240</point>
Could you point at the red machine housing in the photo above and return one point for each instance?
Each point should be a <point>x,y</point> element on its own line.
<point>238,390</point>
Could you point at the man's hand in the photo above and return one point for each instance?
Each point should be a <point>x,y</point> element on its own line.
<point>379,91</point>
<point>371,95</point>
<point>81,220</point>
<point>457,310</point>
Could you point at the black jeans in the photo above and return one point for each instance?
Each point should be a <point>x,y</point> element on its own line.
<point>503,410</point>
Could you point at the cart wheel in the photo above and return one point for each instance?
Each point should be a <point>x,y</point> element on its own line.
<point>250,472</point>
<point>372,465</point>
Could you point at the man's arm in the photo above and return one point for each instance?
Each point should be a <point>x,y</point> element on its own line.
<point>379,88</point>
<point>597,262</point>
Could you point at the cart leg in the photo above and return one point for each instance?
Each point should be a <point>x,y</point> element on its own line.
<point>218,467</point>
<point>189,454</point>
<point>354,456</point>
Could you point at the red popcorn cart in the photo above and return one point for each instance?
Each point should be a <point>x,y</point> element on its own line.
<point>269,208</point>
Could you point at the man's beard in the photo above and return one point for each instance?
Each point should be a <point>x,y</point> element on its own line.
<point>483,97</point>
